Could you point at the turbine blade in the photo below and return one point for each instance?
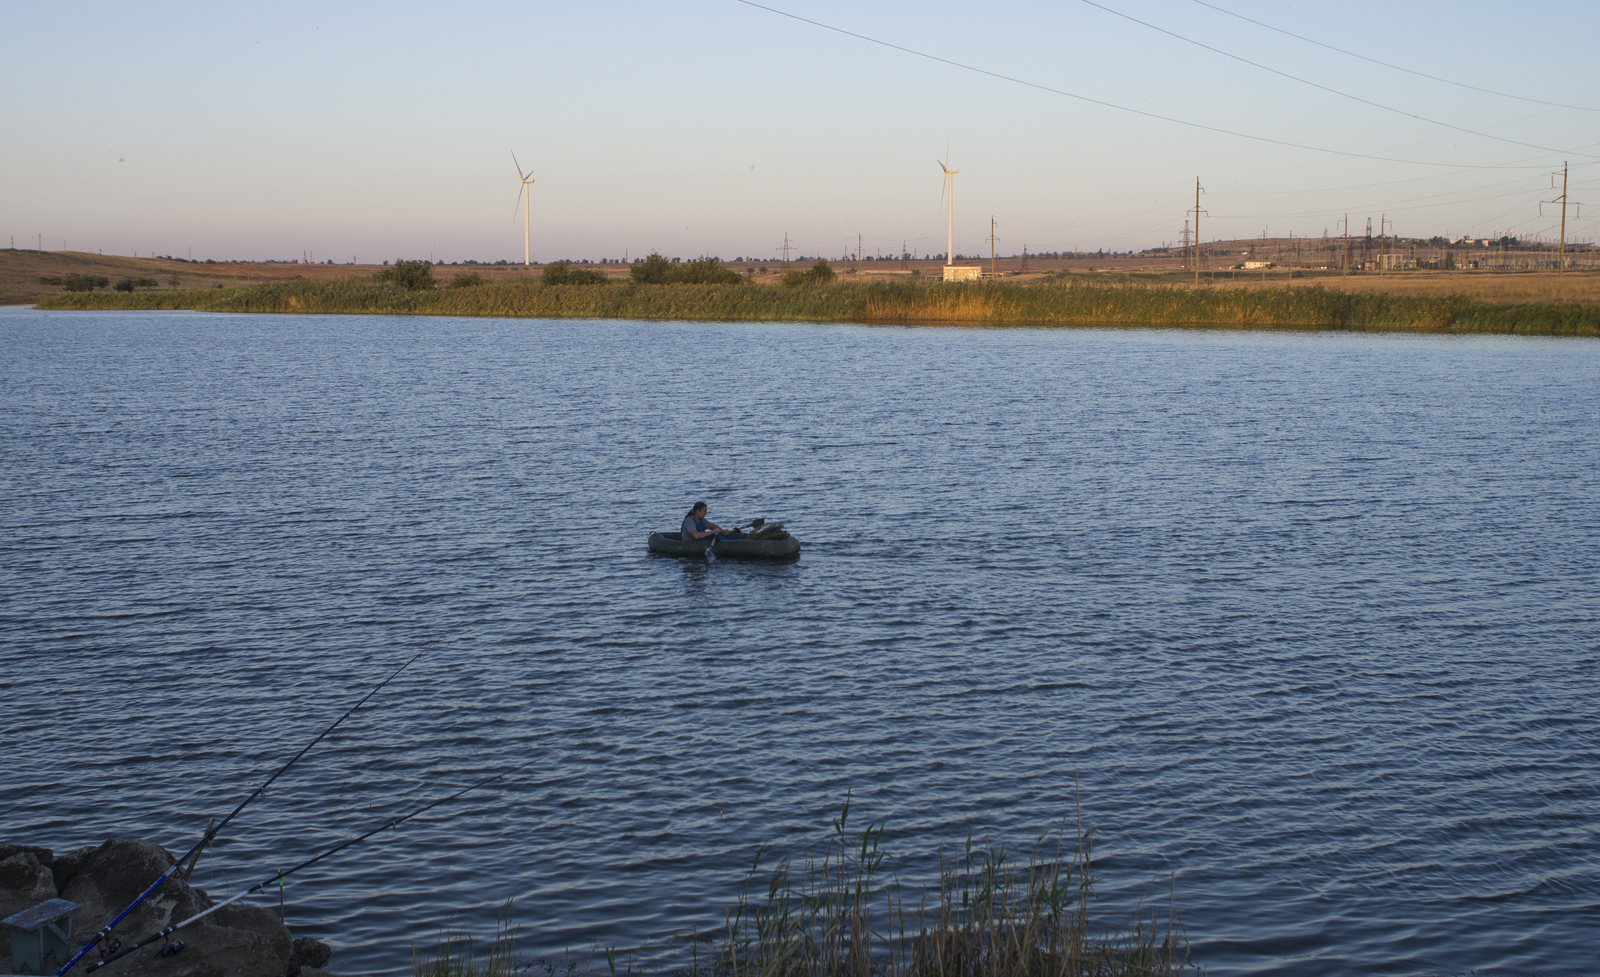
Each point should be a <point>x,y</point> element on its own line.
<point>518,165</point>
<point>942,166</point>
<point>517,204</point>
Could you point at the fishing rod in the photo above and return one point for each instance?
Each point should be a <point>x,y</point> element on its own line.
<point>279,876</point>
<point>211,834</point>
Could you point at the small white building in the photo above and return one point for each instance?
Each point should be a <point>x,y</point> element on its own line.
<point>1257,265</point>
<point>962,273</point>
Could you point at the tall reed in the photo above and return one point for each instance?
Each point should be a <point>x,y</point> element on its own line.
<point>990,915</point>
<point>455,955</point>
<point>1070,301</point>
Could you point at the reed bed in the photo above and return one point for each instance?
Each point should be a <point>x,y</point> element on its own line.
<point>455,954</point>
<point>843,913</point>
<point>1058,302</point>
<point>990,914</point>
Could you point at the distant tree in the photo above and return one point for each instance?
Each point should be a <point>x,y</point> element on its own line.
<point>562,273</point>
<point>466,279</point>
<point>415,275</point>
<point>129,284</point>
<point>652,270</point>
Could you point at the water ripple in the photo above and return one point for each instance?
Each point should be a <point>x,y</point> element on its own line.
<point>1311,620</point>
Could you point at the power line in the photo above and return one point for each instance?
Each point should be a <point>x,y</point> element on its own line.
<point>1419,74</point>
<point>1111,105</point>
<point>1325,88</point>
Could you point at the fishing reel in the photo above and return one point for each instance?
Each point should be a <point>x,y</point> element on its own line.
<point>170,948</point>
<point>109,946</point>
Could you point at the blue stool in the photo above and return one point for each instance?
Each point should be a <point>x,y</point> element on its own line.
<point>36,934</point>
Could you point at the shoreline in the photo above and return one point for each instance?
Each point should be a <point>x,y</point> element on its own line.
<point>1059,302</point>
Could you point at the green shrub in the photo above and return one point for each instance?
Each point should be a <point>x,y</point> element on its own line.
<point>562,273</point>
<point>414,275</point>
<point>815,275</point>
<point>75,282</point>
<point>129,284</point>
<point>704,271</point>
<point>653,270</point>
<point>467,279</point>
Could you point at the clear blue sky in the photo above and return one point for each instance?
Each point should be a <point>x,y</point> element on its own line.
<point>710,127</point>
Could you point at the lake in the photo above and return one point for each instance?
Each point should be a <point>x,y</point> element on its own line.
<point>1310,621</point>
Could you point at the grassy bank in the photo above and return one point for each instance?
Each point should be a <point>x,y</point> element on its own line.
<point>1059,302</point>
<point>844,912</point>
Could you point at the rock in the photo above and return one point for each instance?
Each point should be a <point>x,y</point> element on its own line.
<point>67,867</point>
<point>309,953</point>
<point>113,876</point>
<point>44,855</point>
<point>24,883</point>
<point>238,940</point>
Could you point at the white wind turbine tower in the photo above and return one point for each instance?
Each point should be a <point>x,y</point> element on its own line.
<point>950,217</point>
<point>527,205</point>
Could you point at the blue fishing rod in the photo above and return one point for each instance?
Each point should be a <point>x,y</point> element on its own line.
<point>170,948</point>
<point>212,833</point>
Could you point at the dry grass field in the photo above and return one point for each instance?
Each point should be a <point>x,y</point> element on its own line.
<point>20,271</point>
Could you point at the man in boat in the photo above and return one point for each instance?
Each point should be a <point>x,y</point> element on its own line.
<point>697,526</point>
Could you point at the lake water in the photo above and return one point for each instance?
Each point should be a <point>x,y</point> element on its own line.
<point>1313,619</point>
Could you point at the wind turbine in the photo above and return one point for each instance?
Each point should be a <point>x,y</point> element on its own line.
<point>525,208</point>
<point>950,217</point>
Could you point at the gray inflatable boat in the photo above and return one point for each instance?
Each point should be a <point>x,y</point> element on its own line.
<point>673,544</point>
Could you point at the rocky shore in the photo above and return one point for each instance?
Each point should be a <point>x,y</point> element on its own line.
<point>238,941</point>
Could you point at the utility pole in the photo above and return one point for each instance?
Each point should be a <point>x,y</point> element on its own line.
<point>992,240</point>
<point>858,252</point>
<point>1024,257</point>
<point>1563,268</point>
<point>1562,200</point>
<point>787,247</point>
<point>1347,244</point>
<point>1197,213</point>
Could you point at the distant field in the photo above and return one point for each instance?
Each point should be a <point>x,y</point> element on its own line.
<point>20,271</point>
